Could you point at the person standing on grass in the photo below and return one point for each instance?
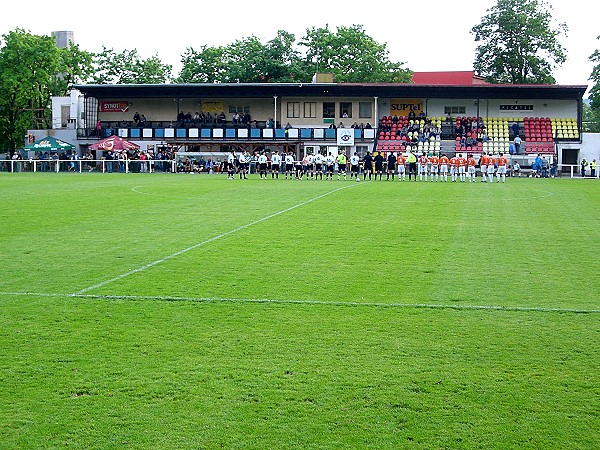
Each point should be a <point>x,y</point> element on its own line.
<point>471,168</point>
<point>289,165</point>
<point>310,165</point>
<point>262,165</point>
<point>378,165</point>
<point>329,164</point>
<point>453,168</point>
<point>423,161</point>
<point>502,163</point>
<point>435,166</point>
<point>319,165</point>
<point>354,160</point>
<point>593,168</point>
<point>242,163</point>
<point>483,166</point>
<point>491,168</point>
<point>584,164</point>
<point>461,162</point>
<point>275,164</point>
<point>444,161</point>
<point>342,161</point>
<point>231,159</point>
<point>367,166</point>
<point>412,164</point>
<point>401,163</point>
<point>391,165</point>
<point>299,169</point>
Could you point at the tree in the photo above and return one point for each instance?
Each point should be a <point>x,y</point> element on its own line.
<point>128,67</point>
<point>349,53</point>
<point>206,65</point>
<point>591,119</point>
<point>517,43</point>
<point>595,91</point>
<point>32,70</point>
<point>245,61</point>
<point>352,56</point>
<point>75,67</point>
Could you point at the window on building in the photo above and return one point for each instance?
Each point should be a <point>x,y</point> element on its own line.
<point>345,110</point>
<point>365,110</point>
<point>362,150</point>
<point>239,109</point>
<point>452,110</point>
<point>328,110</point>
<point>310,110</point>
<point>293,109</point>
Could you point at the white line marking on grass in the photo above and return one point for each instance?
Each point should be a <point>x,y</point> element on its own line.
<point>169,298</point>
<point>208,241</point>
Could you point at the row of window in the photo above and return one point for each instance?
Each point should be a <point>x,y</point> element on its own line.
<point>294,110</point>
<point>308,110</point>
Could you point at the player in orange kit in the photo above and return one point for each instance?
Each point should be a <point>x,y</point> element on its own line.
<point>453,168</point>
<point>401,163</point>
<point>491,168</point>
<point>423,167</point>
<point>502,163</point>
<point>444,161</point>
<point>471,168</point>
<point>435,166</point>
<point>461,162</point>
<point>483,161</point>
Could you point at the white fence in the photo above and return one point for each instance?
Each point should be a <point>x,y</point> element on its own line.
<point>88,165</point>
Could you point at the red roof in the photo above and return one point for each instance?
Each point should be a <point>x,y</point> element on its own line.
<point>464,78</point>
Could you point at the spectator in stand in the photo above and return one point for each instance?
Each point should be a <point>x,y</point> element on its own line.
<point>136,118</point>
<point>180,119</point>
<point>515,129</point>
<point>517,143</point>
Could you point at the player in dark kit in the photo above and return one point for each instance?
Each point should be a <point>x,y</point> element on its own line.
<point>391,165</point>
<point>367,165</point>
<point>379,165</point>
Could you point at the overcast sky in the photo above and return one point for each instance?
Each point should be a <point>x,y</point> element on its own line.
<point>426,36</point>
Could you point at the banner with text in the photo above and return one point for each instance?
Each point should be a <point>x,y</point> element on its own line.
<point>114,106</point>
<point>402,106</point>
<point>212,107</point>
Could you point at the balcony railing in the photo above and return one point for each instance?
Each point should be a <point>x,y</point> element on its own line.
<point>223,133</point>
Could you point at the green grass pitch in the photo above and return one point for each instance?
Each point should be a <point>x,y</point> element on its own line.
<point>161,311</point>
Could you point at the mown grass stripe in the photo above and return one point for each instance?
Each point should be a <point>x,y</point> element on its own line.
<point>307,302</point>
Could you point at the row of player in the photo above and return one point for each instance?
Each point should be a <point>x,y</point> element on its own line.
<point>432,167</point>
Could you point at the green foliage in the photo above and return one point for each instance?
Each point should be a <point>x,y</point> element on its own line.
<point>32,70</point>
<point>591,119</point>
<point>350,54</point>
<point>206,65</point>
<point>518,44</point>
<point>128,67</point>
<point>298,329</point>
<point>595,91</point>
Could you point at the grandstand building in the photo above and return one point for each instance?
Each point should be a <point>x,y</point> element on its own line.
<point>327,116</point>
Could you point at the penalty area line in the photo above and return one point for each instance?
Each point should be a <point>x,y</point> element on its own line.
<point>168,298</point>
<point>208,241</point>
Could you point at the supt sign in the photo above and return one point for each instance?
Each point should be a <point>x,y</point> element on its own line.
<point>402,106</point>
